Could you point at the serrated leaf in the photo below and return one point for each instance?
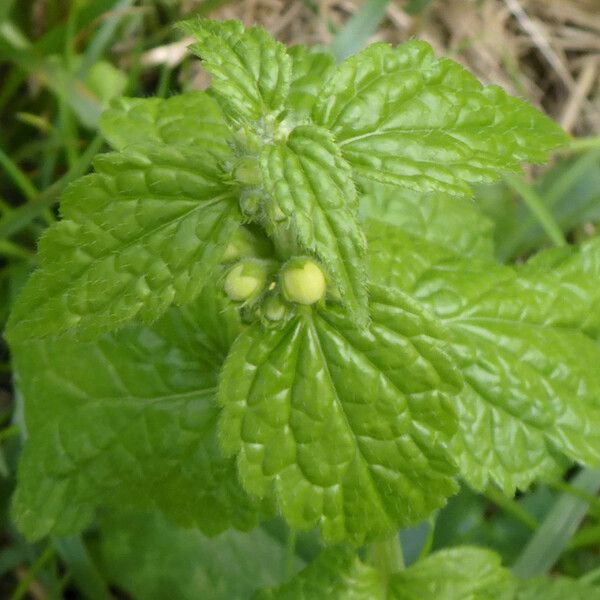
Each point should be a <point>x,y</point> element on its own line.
<point>403,117</point>
<point>251,72</point>
<point>462,573</point>
<point>454,224</point>
<point>336,574</point>
<point>345,426</point>
<point>145,231</point>
<point>575,272</point>
<point>128,421</point>
<point>560,588</point>
<point>153,559</point>
<point>312,185</point>
<point>189,119</point>
<point>311,68</point>
<point>532,382</point>
<point>539,380</point>
<point>104,80</point>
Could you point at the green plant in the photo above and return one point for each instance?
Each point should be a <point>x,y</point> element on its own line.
<point>276,297</point>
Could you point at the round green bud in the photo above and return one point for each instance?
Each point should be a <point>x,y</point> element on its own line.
<point>250,202</point>
<point>303,281</point>
<point>245,281</point>
<point>240,246</point>
<point>283,130</point>
<point>247,140</point>
<point>277,214</point>
<point>247,171</point>
<point>274,308</point>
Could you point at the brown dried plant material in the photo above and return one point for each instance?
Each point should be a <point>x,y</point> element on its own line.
<point>537,49</point>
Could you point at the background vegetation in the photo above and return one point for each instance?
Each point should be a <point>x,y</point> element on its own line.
<point>61,62</point>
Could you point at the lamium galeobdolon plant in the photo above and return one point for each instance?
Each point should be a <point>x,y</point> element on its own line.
<point>277,297</point>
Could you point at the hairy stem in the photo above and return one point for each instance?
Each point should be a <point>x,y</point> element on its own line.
<point>386,556</point>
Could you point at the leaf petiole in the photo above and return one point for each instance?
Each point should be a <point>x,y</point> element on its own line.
<point>387,558</point>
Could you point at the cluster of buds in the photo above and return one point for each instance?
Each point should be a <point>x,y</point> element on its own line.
<point>255,281</point>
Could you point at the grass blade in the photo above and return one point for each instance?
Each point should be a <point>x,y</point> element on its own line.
<point>547,544</point>
<point>25,214</point>
<point>74,554</point>
<point>23,588</point>
<point>537,207</point>
<point>18,177</point>
<point>359,28</point>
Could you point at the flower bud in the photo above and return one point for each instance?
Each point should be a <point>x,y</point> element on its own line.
<point>240,246</point>
<point>276,213</point>
<point>274,308</point>
<point>250,202</point>
<point>303,281</point>
<point>247,171</point>
<point>245,281</point>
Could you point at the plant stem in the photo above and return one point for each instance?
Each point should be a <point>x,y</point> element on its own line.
<point>290,554</point>
<point>591,577</point>
<point>387,558</point>
<point>536,205</point>
<point>23,587</point>
<point>591,499</point>
<point>13,250</point>
<point>571,176</point>
<point>19,178</point>
<point>81,567</point>
<point>511,507</point>
<point>588,536</point>
<point>582,145</point>
<point>426,549</point>
<point>552,537</point>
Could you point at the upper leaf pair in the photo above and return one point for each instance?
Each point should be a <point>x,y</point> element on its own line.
<point>151,225</point>
<point>399,114</point>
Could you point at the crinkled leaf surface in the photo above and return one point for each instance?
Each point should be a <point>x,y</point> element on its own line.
<point>189,119</point>
<point>128,420</point>
<point>401,116</point>
<point>560,588</point>
<point>336,574</point>
<point>455,224</point>
<point>251,72</point>
<point>575,272</point>
<point>346,426</point>
<point>146,230</point>
<point>462,573</point>
<point>311,68</point>
<point>532,382</point>
<point>153,559</point>
<point>312,185</point>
